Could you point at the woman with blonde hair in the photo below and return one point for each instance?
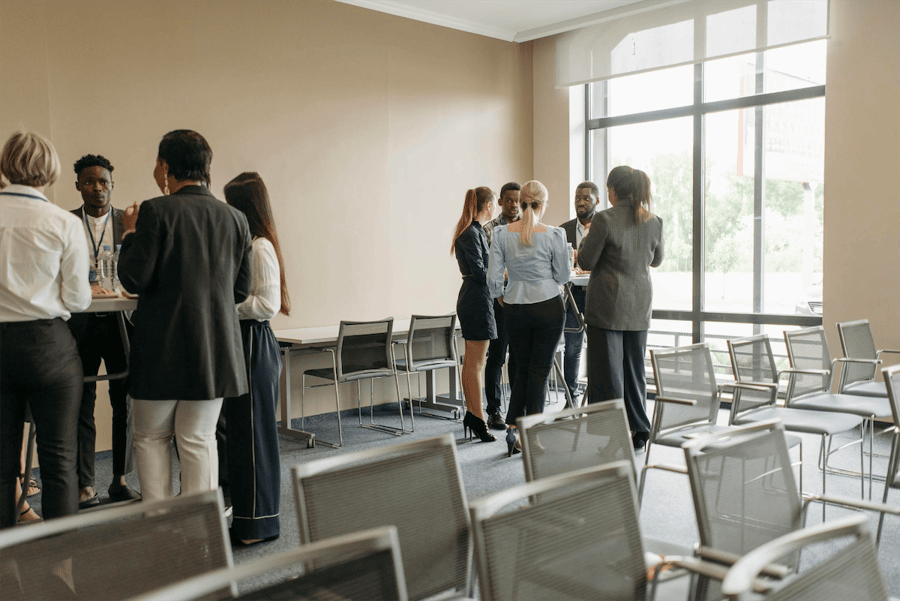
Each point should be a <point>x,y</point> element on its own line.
<point>621,246</point>
<point>44,281</point>
<point>536,258</point>
<point>474,306</point>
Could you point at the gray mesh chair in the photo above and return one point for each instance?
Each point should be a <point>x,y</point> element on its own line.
<point>430,345</point>
<point>745,494</point>
<point>576,438</point>
<point>809,386</point>
<point>853,572</point>
<point>363,352</point>
<point>415,486</point>
<point>364,566</point>
<point>891,377</point>
<point>585,544</point>
<point>862,359</point>
<point>115,553</point>
<point>752,362</point>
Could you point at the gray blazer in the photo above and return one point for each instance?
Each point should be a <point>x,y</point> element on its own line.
<point>619,254</point>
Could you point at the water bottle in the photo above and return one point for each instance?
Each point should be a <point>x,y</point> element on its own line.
<point>115,268</point>
<point>105,267</point>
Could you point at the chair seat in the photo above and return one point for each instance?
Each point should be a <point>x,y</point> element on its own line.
<point>327,373</point>
<point>424,365</point>
<point>871,388</point>
<point>804,420</point>
<point>682,435</point>
<point>863,406</point>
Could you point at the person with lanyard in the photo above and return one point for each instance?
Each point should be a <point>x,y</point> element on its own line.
<point>587,200</point>
<point>44,281</point>
<point>98,337</point>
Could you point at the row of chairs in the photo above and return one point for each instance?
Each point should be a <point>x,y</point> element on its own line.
<point>563,535</point>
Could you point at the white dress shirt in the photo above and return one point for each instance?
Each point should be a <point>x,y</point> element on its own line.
<point>264,301</point>
<point>101,228</point>
<point>43,258</point>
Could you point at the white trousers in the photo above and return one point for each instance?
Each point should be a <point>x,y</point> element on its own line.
<point>193,425</point>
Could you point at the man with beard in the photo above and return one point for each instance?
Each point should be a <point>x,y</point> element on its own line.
<point>587,200</point>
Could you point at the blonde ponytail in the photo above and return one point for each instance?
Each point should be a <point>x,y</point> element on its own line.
<point>532,198</point>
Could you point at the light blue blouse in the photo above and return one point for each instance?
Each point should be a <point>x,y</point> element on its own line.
<point>535,272</point>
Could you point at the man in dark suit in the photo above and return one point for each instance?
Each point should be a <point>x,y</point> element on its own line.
<point>587,200</point>
<point>98,337</point>
<point>188,256</point>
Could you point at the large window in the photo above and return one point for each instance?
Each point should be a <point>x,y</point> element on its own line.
<point>735,149</point>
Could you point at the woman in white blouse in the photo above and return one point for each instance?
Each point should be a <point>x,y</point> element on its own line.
<point>254,469</point>
<point>43,281</point>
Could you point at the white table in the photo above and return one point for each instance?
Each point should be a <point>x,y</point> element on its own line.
<point>304,341</point>
<point>117,305</point>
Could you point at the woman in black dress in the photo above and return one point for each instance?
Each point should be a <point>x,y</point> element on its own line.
<point>474,305</point>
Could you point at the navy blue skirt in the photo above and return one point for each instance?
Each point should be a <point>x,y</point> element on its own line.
<point>475,309</point>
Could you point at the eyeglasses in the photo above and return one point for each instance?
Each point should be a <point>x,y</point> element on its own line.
<point>105,184</point>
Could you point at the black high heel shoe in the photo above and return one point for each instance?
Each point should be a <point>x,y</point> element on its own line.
<point>474,426</point>
<point>512,443</point>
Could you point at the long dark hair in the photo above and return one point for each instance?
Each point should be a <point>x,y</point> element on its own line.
<point>248,194</point>
<point>634,185</point>
<point>476,201</point>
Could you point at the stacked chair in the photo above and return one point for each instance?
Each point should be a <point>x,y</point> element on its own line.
<point>115,553</point>
<point>365,566</point>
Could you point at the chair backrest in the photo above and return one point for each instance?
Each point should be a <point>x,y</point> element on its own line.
<point>361,566</point>
<point>415,486</point>
<point>743,486</point>
<point>431,341</point>
<point>585,544</point>
<point>808,349</point>
<point>857,343</point>
<point>116,553</point>
<point>752,361</point>
<point>686,373</point>
<point>891,377</point>
<point>364,347</point>
<point>573,439</point>
<point>850,571</point>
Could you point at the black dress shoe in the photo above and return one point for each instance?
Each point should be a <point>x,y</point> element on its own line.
<point>639,440</point>
<point>92,502</point>
<point>495,421</point>
<point>122,492</point>
<point>237,542</point>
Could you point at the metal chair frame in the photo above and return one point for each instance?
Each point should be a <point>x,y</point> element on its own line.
<point>854,353</point>
<point>340,548</point>
<point>338,376</point>
<point>892,476</point>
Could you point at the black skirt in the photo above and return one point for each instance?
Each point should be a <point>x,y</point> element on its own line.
<point>475,309</point>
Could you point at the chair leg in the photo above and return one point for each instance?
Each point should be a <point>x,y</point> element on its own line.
<point>400,404</point>
<point>892,469</point>
<point>644,474</point>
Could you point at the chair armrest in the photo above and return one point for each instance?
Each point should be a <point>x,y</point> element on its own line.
<point>716,571</point>
<point>757,386</point>
<point>887,350</point>
<point>809,372</point>
<point>850,503</point>
<point>865,361</point>
<point>711,554</point>
<point>674,401</point>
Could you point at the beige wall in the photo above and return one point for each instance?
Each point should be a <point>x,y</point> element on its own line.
<point>367,128</point>
<point>862,170</point>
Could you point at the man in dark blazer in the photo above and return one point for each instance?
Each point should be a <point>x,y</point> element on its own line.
<point>587,200</point>
<point>188,256</point>
<point>98,337</point>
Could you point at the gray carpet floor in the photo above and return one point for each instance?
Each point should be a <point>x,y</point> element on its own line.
<point>666,514</point>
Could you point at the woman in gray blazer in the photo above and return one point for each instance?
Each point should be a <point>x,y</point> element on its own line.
<point>621,246</point>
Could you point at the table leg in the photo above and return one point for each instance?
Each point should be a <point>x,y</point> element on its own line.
<point>284,428</point>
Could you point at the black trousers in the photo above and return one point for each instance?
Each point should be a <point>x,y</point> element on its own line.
<point>254,465</point>
<point>98,337</point>
<point>40,368</point>
<point>616,371</point>
<point>534,333</point>
<point>574,342</point>
<point>493,369</point>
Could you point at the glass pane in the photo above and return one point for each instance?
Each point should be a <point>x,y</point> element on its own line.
<point>794,201</point>
<point>643,92</point>
<point>663,149</point>
<point>666,333</point>
<point>729,211</point>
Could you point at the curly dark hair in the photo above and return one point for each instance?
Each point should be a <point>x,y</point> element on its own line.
<point>92,160</point>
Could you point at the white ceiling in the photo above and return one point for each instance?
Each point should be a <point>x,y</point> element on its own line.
<point>510,20</point>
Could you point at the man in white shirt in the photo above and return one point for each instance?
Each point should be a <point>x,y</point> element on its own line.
<point>98,337</point>
<point>587,201</point>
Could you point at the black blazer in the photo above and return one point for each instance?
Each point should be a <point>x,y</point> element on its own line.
<point>117,221</point>
<point>571,229</point>
<point>190,262</point>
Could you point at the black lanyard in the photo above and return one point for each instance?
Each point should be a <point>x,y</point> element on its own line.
<point>90,230</point>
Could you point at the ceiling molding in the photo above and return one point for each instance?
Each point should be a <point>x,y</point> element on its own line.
<point>592,19</point>
<point>404,10</point>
